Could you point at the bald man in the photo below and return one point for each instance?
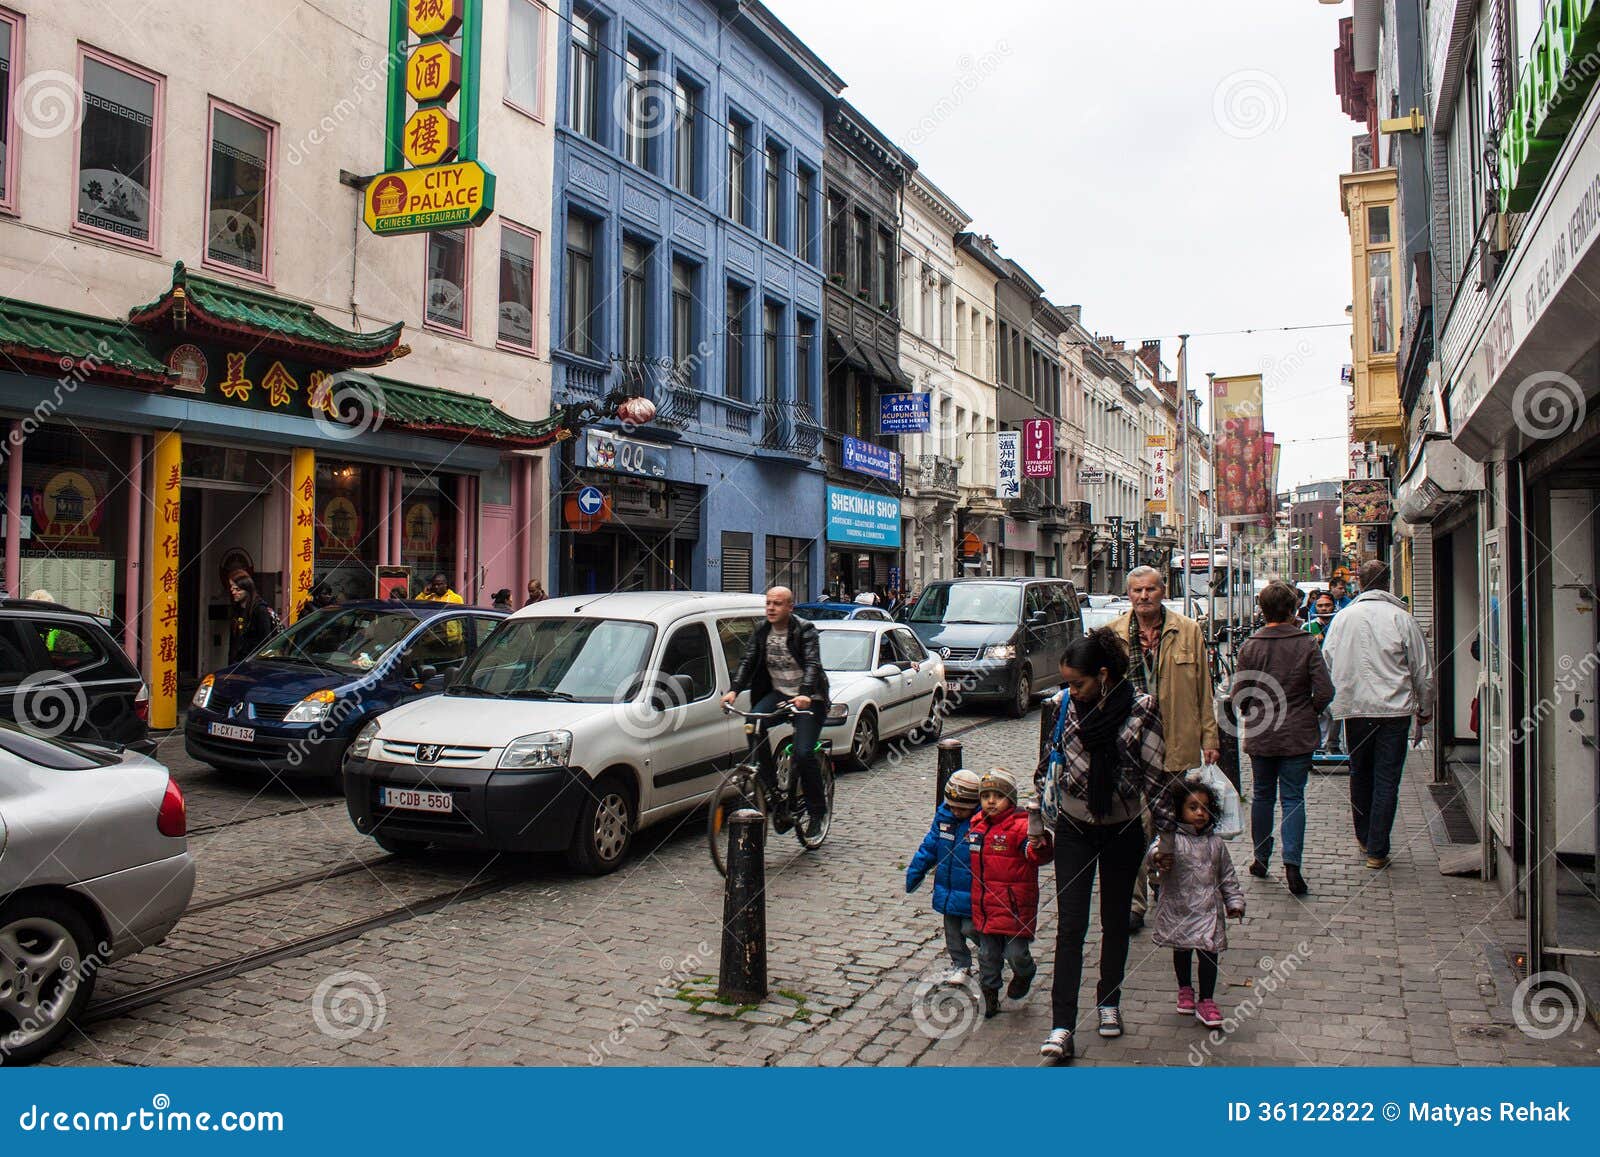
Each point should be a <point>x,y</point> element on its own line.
<point>783,663</point>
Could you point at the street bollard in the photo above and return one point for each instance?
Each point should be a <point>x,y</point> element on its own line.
<point>743,976</point>
<point>949,764</point>
<point>1047,723</point>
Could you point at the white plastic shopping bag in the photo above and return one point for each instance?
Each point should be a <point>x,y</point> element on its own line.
<point>1230,823</point>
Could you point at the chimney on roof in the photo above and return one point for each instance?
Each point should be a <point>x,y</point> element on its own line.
<point>1150,355</point>
<point>1074,313</point>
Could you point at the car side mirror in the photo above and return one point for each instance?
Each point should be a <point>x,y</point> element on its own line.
<point>425,672</point>
<point>672,691</point>
<point>1039,618</point>
<point>886,671</point>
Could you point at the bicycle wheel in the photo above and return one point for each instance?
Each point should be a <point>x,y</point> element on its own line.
<point>790,774</point>
<point>740,788</point>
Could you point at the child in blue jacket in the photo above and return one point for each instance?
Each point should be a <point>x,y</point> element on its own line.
<point>944,851</point>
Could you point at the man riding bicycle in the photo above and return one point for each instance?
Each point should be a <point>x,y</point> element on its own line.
<point>783,662</point>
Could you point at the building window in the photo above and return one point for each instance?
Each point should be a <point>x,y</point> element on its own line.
<point>519,266</point>
<point>805,228</point>
<point>861,238</point>
<point>805,359</point>
<point>738,171</point>
<point>789,565</point>
<point>239,201</point>
<point>1380,286</point>
<point>636,128</point>
<point>773,222</point>
<point>635,301</point>
<point>684,313</point>
<point>10,69</point>
<point>525,56</point>
<point>580,303</point>
<point>119,185</point>
<point>838,240</point>
<point>686,130</point>
<point>733,381</point>
<point>884,271</point>
<point>772,326</point>
<point>583,79</point>
<point>446,304</point>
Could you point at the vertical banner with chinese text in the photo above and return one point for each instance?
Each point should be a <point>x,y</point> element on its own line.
<point>1008,479</point>
<point>1158,505</point>
<point>1239,459</point>
<point>166,501</point>
<point>302,531</point>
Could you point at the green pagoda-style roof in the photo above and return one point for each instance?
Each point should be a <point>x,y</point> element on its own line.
<point>202,305</point>
<point>430,410</point>
<point>58,342</point>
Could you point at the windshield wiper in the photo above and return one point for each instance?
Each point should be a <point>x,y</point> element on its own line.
<point>467,691</point>
<point>969,623</point>
<point>541,694</point>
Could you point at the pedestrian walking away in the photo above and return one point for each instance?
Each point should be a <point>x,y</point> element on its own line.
<point>1280,689</point>
<point>783,663</point>
<point>1005,889</point>
<point>1199,892</point>
<point>1168,657</point>
<point>253,623</point>
<point>945,853</point>
<point>1382,681</point>
<point>1106,758</point>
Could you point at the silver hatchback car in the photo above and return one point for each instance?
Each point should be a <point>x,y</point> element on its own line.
<point>94,866</point>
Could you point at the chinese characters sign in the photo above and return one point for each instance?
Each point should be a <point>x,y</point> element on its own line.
<point>905,413</point>
<point>1008,462</point>
<point>1159,502</point>
<point>166,500</point>
<point>260,382</point>
<point>1039,448</point>
<point>871,459</point>
<point>302,529</point>
<point>1240,456</point>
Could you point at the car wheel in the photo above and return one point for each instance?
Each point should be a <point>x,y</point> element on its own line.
<point>604,830</point>
<point>410,849</point>
<point>48,963</point>
<point>1018,707</point>
<point>931,728</point>
<point>864,745</point>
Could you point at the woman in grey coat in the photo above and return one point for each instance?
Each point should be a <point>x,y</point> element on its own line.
<point>1198,893</point>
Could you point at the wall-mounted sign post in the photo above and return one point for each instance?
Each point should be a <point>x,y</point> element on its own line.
<point>431,178</point>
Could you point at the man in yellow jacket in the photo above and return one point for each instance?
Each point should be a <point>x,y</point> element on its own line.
<point>1167,661</point>
<point>438,591</point>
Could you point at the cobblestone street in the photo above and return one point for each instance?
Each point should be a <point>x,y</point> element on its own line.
<point>538,966</point>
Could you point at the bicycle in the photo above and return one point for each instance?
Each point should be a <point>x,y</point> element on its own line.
<point>743,787</point>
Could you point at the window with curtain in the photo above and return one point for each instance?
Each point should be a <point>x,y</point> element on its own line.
<point>636,129</point>
<point>738,170</point>
<point>773,222</point>
<point>579,307</point>
<point>446,303</point>
<point>519,261</point>
<point>116,145</point>
<point>685,135</point>
<point>805,228</point>
<point>684,313</point>
<point>635,301</point>
<point>238,207</point>
<point>738,305</point>
<point>524,55</point>
<point>583,76</point>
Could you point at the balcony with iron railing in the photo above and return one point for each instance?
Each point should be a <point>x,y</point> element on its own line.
<point>937,478</point>
<point>789,429</point>
<point>1030,503</point>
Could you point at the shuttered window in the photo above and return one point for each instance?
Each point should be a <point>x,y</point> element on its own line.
<point>737,576</point>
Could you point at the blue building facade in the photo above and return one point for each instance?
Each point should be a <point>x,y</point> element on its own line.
<point>686,267</point>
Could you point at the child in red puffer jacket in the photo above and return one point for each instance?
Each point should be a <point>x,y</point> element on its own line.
<point>1005,888</point>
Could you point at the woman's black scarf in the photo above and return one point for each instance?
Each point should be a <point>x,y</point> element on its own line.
<point>1100,725</point>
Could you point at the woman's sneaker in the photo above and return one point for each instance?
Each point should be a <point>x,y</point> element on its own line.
<point>1058,1045</point>
<point>1110,1021</point>
<point>1208,1014</point>
<point>1185,1000</point>
<point>956,977</point>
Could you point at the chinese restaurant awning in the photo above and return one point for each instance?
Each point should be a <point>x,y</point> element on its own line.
<point>263,321</point>
<point>36,339</point>
<point>430,410</point>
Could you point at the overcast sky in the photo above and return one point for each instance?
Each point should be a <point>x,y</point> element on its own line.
<point>1170,166</point>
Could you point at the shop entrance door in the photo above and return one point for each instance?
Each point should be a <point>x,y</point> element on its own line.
<point>222,528</point>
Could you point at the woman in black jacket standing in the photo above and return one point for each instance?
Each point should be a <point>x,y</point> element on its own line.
<point>253,621</point>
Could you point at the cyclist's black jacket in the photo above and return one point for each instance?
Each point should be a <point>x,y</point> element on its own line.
<point>805,644</point>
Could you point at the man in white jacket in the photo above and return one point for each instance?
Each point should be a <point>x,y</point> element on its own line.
<point>1381,678</point>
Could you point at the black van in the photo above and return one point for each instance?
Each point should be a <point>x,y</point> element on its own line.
<point>1001,638</point>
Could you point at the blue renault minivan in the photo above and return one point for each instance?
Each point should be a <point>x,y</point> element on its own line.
<point>293,707</point>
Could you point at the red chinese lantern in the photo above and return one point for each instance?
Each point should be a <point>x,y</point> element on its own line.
<point>637,411</point>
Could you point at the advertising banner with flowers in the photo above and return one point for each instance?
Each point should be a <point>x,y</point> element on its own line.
<point>1241,456</point>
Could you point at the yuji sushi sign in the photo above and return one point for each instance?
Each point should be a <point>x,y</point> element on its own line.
<point>1240,454</point>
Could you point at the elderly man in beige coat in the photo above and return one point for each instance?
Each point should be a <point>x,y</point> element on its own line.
<point>1167,661</point>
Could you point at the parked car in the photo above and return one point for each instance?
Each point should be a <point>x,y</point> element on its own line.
<point>835,612</point>
<point>63,675</point>
<point>579,722</point>
<point>94,866</point>
<point>293,707</point>
<point>884,684</point>
<point>1001,639</point>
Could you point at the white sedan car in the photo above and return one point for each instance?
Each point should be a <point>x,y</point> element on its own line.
<point>884,684</point>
